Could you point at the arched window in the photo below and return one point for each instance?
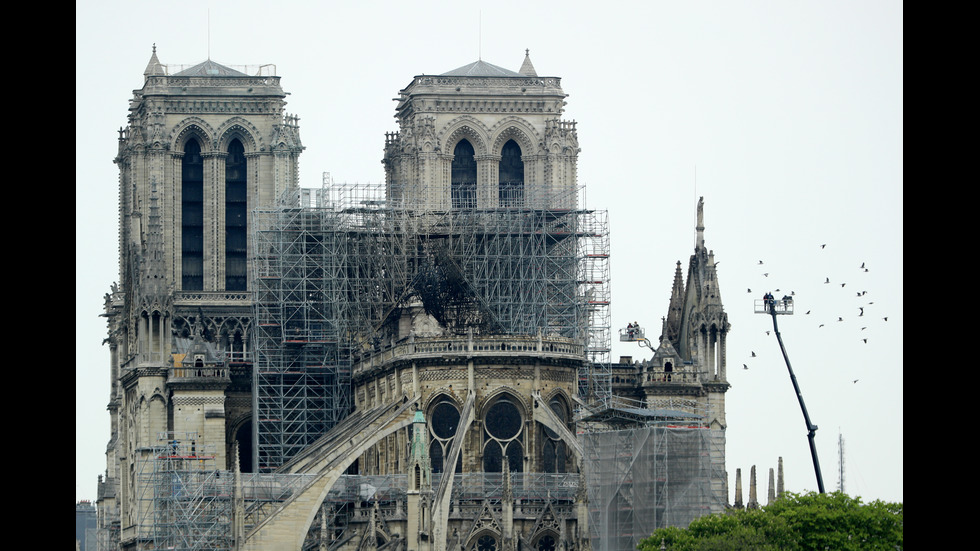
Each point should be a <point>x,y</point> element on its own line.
<point>511,176</point>
<point>503,437</point>
<point>463,178</point>
<point>546,542</point>
<point>486,542</point>
<point>192,217</point>
<point>443,420</point>
<point>554,451</point>
<point>236,214</point>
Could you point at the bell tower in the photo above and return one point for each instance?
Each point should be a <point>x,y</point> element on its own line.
<point>482,137</point>
<point>204,145</point>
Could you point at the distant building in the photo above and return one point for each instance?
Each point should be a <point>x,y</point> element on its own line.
<point>86,525</point>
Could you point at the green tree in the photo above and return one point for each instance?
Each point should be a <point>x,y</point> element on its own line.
<point>796,522</point>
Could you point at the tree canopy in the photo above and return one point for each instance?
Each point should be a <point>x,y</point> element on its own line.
<point>795,522</point>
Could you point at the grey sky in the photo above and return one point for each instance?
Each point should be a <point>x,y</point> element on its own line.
<point>786,116</point>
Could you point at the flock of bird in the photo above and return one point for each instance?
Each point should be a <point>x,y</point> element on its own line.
<point>858,314</point>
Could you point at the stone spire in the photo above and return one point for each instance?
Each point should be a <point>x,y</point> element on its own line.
<point>526,68</point>
<point>738,489</point>
<point>154,67</point>
<point>675,311</point>
<point>753,502</point>
<point>420,461</point>
<point>700,227</point>
<point>779,480</point>
<point>771,496</point>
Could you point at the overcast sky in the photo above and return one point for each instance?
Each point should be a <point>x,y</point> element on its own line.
<point>786,116</point>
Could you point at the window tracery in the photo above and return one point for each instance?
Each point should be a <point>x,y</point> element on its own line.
<point>503,436</point>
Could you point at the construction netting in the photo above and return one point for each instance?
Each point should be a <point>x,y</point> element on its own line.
<point>641,479</point>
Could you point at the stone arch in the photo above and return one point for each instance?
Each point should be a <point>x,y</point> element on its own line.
<point>440,429</point>
<point>480,540</point>
<point>244,130</point>
<point>497,393</point>
<point>232,336</point>
<point>547,539</point>
<point>192,127</point>
<point>561,395</point>
<point>438,394</point>
<point>517,129</point>
<point>157,395</point>
<point>468,128</point>
<point>238,428</point>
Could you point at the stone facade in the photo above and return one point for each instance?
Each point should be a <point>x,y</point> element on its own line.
<point>181,275</point>
<point>208,144</point>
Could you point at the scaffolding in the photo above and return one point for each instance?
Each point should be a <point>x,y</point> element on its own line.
<point>333,267</point>
<point>186,501</point>
<point>662,470</point>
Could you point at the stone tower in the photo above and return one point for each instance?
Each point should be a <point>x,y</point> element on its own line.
<point>481,158</point>
<point>203,146</point>
<point>482,136</point>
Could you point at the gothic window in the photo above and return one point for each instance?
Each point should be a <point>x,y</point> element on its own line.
<point>546,543</point>
<point>511,176</point>
<point>554,450</point>
<point>486,542</point>
<point>443,420</point>
<point>192,217</point>
<point>463,177</point>
<point>236,212</point>
<point>503,437</point>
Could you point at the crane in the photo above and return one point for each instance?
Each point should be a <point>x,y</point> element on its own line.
<point>784,306</point>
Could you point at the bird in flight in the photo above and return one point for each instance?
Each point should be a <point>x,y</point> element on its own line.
<point>843,284</point>
<point>753,353</point>
<point>807,313</point>
<point>840,319</point>
<point>822,246</point>
<point>760,262</point>
<point>862,311</point>
<point>828,280</point>
<point>766,274</point>
<point>865,341</point>
<point>885,318</point>
<point>862,264</point>
<point>767,333</point>
<point>819,326</point>
<point>750,290</point>
<point>744,366</point>
<point>856,380</point>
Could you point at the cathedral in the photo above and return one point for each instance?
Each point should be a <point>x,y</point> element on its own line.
<point>418,365</point>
